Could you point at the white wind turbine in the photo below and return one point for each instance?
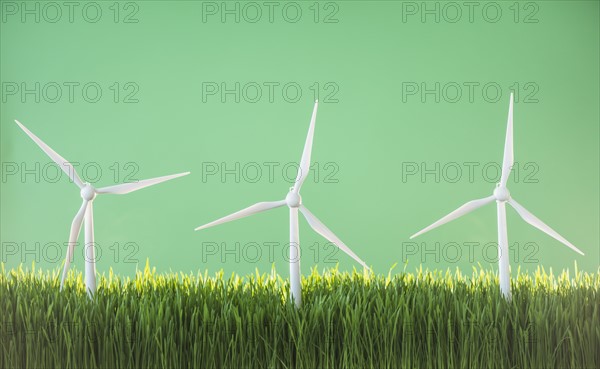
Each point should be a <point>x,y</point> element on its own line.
<point>294,201</point>
<point>88,194</point>
<point>502,196</point>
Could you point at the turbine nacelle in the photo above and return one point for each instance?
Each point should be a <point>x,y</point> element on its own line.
<point>293,200</point>
<point>501,193</point>
<point>88,192</point>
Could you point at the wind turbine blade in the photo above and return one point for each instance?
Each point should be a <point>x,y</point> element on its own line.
<point>321,229</point>
<point>62,162</point>
<point>124,188</point>
<point>73,236</point>
<point>256,208</point>
<point>534,221</point>
<point>465,209</point>
<point>509,158</point>
<point>305,161</point>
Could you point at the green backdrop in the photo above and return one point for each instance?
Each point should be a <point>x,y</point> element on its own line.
<point>411,124</point>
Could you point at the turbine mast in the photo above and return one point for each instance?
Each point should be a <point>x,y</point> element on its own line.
<point>90,251</point>
<point>503,257</point>
<point>295,278</point>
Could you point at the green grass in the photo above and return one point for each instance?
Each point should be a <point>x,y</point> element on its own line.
<point>348,320</point>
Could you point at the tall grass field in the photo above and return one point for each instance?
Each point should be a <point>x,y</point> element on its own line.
<point>423,319</point>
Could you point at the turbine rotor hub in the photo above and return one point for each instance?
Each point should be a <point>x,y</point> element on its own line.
<point>502,194</point>
<point>293,200</point>
<point>88,192</point>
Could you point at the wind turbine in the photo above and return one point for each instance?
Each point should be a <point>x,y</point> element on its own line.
<point>293,200</point>
<point>502,196</point>
<point>88,194</point>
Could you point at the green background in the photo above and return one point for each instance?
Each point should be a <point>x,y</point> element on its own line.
<point>371,134</point>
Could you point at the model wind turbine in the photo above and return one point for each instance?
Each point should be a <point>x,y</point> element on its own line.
<point>88,194</point>
<point>502,196</point>
<point>294,201</point>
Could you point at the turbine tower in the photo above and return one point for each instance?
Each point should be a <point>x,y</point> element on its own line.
<point>502,196</point>
<point>88,194</point>
<point>293,200</point>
